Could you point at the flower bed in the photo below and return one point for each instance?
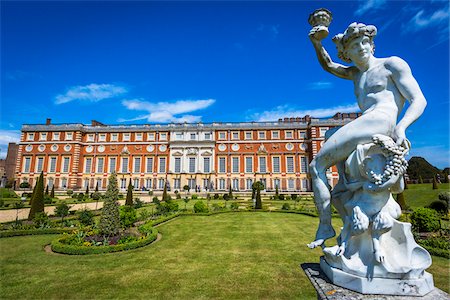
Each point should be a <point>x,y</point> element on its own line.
<point>80,244</point>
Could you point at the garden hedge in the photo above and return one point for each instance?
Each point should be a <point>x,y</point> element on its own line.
<point>10,233</point>
<point>58,245</point>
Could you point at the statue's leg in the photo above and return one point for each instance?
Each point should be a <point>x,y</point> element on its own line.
<point>322,199</point>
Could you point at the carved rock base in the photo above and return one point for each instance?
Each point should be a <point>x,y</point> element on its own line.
<point>385,286</point>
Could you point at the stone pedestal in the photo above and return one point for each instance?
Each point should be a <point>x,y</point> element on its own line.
<point>327,290</point>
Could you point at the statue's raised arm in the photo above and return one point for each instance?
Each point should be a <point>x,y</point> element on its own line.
<point>320,20</point>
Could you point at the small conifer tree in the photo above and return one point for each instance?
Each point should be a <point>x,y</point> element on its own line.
<point>110,218</point>
<point>46,190</point>
<point>87,191</point>
<point>258,202</point>
<point>164,195</point>
<point>52,193</point>
<point>230,193</point>
<point>37,200</point>
<point>129,199</point>
<point>435,183</point>
<point>401,201</point>
<point>96,187</point>
<point>277,195</point>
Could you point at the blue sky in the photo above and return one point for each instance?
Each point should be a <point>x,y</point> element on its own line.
<point>152,62</point>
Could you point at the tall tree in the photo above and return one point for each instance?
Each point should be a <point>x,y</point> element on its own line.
<point>129,199</point>
<point>52,192</point>
<point>258,186</point>
<point>87,191</point>
<point>37,200</point>
<point>96,187</point>
<point>110,218</point>
<point>46,190</point>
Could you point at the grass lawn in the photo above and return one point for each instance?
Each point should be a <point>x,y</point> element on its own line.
<point>420,195</point>
<point>226,256</point>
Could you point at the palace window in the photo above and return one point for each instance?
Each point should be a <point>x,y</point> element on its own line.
<point>290,164</point>
<point>262,164</point>
<point>291,184</point>
<point>177,183</point>
<point>276,183</point>
<point>303,164</point>
<point>149,165</point>
<point>90,137</point>
<point>248,135</point>
<point>235,184</point>
<point>55,136</point>
<point>221,184</point>
<point>248,184</point>
<point>87,165</point>
<point>137,165</point>
<point>138,136</point>
<point>222,135</point>
<point>136,183</point>
<point>43,136</point>
<point>124,165</point>
<point>177,168</point>
<point>323,130</point>
<point>65,164</point>
<point>288,134</point>
<point>148,183</point>
<point>30,136</point>
<point>112,164</point>
<point>162,165</point>
<point>193,136</point>
<point>163,136</point>
<point>123,183</point>
<point>126,137</point>
<point>69,136</point>
<point>222,165</point>
<point>261,135</point>
<point>114,137</point>
<point>248,164</point>
<point>39,164</point>
<point>235,165</point>
<point>26,165</point>
<point>207,136</point>
<point>275,135</point>
<point>150,136</point>
<point>302,134</point>
<point>191,164</point>
<point>52,165</point>
<point>276,164</point>
<point>100,164</point>
<point>102,137</point>
<point>206,165</point>
<point>235,135</point>
<point>179,136</point>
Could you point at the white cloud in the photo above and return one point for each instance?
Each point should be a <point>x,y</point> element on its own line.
<point>271,30</point>
<point>422,20</point>
<point>6,137</point>
<point>92,92</point>
<point>167,111</point>
<point>438,156</point>
<point>286,111</point>
<point>320,85</point>
<point>369,5</point>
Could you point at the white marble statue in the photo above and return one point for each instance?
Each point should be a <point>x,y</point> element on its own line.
<point>369,153</point>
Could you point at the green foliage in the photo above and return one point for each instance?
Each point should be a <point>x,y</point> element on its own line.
<point>156,200</point>
<point>294,197</point>
<point>286,206</point>
<point>80,197</point>
<point>46,190</point>
<point>37,199</point>
<point>187,188</point>
<point>258,202</point>
<point>194,197</point>
<point>439,206</point>
<point>41,220</point>
<point>216,196</point>
<point>52,192</point>
<point>150,193</point>
<point>200,207</point>
<point>110,218</point>
<point>436,245</point>
<point>234,206</point>
<point>138,203</point>
<point>86,217</point>
<point>127,216</point>
<point>69,192</point>
<point>401,201</point>
<point>178,196</point>
<point>277,194</point>
<point>281,197</point>
<point>226,197</point>
<point>129,198</point>
<point>62,210</point>
<point>96,196</point>
<point>24,185</point>
<point>444,196</point>
<point>87,190</point>
<point>96,187</point>
<point>166,207</point>
<point>186,200</point>
<point>425,220</point>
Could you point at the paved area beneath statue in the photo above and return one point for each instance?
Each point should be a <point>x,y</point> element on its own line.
<point>327,290</point>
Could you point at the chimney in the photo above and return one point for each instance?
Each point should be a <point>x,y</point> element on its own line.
<point>48,121</point>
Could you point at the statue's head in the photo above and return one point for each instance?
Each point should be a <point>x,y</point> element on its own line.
<point>353,31</point>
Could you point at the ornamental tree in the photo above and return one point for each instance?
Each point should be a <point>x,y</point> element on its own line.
<point>110,218</point>
<point>37,199</point>
<point>129,199</point>
<point>52,192</point>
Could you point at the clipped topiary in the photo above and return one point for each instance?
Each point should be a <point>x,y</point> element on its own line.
<point>439,206</point>
<point>109,224</point>
<point>37,200</point>
<point>129,198</point>
<point>200,207</point>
